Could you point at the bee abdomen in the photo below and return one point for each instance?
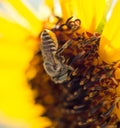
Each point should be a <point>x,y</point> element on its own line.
<point>48,45</point>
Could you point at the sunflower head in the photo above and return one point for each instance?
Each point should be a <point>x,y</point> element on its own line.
<point>75,73</point>
<point>89,89</point>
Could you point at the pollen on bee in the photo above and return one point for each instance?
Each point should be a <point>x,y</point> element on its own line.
<point>53,37</point>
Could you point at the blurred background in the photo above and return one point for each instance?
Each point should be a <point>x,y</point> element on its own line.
<point>20,25</point>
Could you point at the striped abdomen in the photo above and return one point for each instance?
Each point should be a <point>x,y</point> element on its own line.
<point>48,46</point>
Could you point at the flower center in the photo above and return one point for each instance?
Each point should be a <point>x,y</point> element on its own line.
<point>88,97</point>
<point>90,90</point>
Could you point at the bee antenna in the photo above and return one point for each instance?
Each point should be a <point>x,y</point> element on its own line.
<point>68,20</point>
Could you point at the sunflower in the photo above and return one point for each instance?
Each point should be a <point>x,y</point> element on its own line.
<point>90,95</point>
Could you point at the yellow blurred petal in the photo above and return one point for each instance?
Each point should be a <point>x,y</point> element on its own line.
<point>41,13</point>
<point>66,7</point>
<point>54,5</point>
<point>110,42</point>
<point>18,41</point>
<point>12,30</point>
<point>25,14</point>
<point>13,15</point>
<point>89,12</point>
<point>50,4</point>
<point>100,27</point>
<point>16,97</point>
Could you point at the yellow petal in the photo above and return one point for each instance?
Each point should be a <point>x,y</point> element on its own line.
<point>110,42</point>
<point>17,45</point>
<point>16,97</point>
<point>104,18</point>
<point>66,7</point>
<point>26,16</point>
<point>89,12</point>
<point>54,5</point>
<point>12,30</point>
<point>50,4</point>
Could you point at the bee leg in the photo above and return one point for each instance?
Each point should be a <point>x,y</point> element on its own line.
<point>65,45</point>
<point>70,68</point>
<point>62,27</point>
<point>62,59</point>
<point>59,19</point>
<point>57,26</point>
<point>67,22</point>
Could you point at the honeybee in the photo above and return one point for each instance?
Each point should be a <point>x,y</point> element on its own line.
<point>54,62</point>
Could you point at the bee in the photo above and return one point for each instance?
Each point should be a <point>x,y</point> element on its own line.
<point>53,62</point>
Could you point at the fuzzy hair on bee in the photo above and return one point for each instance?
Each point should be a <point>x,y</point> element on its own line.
<point>53,61</point>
